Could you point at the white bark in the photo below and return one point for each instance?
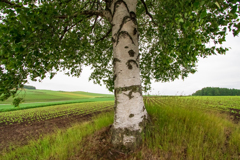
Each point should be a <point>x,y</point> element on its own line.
<point>130,113</point>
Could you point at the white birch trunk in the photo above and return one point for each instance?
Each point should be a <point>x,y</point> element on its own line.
<point>130,112</point>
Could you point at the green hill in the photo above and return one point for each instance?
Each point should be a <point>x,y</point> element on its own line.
<point>31,96</point>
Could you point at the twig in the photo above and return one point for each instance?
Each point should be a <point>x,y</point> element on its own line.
<point>94,23</point>
<point>145,6</point>
<point>10,3</point>
<point>109,31</point>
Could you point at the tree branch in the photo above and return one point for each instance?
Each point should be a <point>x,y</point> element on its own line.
<point>94,23</point>
<point>101,39</point>
<point>145,6</point>
<point>66,29</point>
<point>101,13</point>
<point>10,3</point>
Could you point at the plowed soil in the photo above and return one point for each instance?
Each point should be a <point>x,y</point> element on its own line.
<point>20,134</point>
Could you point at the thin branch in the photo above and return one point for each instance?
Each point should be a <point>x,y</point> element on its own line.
<point>101,13</point>
<point>101,39</point>
<point>145,6</point>
<point>94,23</point>
<point>64,31</point>
<point>67,29</point>
<point>10,3</point>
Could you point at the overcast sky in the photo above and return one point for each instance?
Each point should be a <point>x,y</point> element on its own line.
<point>214,71</point>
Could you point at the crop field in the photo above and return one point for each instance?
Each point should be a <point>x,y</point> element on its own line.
<point>6,108</point>
<point>18,126</point>
<point>40,114</point>
<point>178,120</point>
<point>228,104</point>
<point>31,96</point>
<point>42,98</point>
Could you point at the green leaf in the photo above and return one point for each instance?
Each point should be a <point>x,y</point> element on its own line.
<point>217,4</point>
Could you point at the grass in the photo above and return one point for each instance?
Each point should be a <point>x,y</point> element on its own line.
<point>190,133</point>
<point>60,145</point>
<point>179,129</point>
<point>6,108</point>
<point>221,102</point>
<point>31,96</point>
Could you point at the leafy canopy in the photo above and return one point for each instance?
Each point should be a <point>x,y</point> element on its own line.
<point>40,38</point>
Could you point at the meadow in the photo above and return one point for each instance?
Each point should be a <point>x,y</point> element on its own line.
<point>32,95</point>
<point>43,98</point>
<point>179,128</point>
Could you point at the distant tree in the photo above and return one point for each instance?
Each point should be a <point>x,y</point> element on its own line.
<point>29,87</point>
<point>162,39</point>
<point>216,91</point>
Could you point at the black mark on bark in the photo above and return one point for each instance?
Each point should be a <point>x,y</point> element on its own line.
<point>129,94</point>
<point>135,31</point>
<point>131,53</point>
<point>123,22</point>
<point>131,115</point>
<point>129,63</point>
<point>133,17</point>
<point>115,60</point>
<point>113,40</point>
<point>144,121</point>
<point>132,14</point>
<point>126,47</point>
<point>124,33</point>
<point>134,88</point>
<point>138,57</point>
<point>117,4</point>
<point>114,77</point>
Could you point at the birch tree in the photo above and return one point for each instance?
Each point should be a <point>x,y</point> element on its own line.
<point>126,42</point>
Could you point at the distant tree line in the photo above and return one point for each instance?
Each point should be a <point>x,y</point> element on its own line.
<point>216,91</point>
<point>29,87</point>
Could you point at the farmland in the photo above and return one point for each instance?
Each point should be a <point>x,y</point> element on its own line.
<point>19,125</point>
<point>42,98</point>
<point>193,127</point>
<point>31,96</point>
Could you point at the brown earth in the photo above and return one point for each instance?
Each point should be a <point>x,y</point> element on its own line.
<point>20,134</point>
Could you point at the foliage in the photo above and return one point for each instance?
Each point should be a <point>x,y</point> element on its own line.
<point>38,39</point>
<point>17,101</point>
<point>29,87</point>
<point>216,91</point>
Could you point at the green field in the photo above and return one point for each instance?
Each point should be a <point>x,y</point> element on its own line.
<point>49,96</point>
<point>45,113</point>
<point>205,102</point>
<point>180,128</point>
<point>42,98</point>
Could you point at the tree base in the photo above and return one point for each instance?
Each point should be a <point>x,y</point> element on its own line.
<point>125,139</point>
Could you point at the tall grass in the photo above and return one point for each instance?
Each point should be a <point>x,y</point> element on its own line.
<point>190,133</point>
<point>60,145</point>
